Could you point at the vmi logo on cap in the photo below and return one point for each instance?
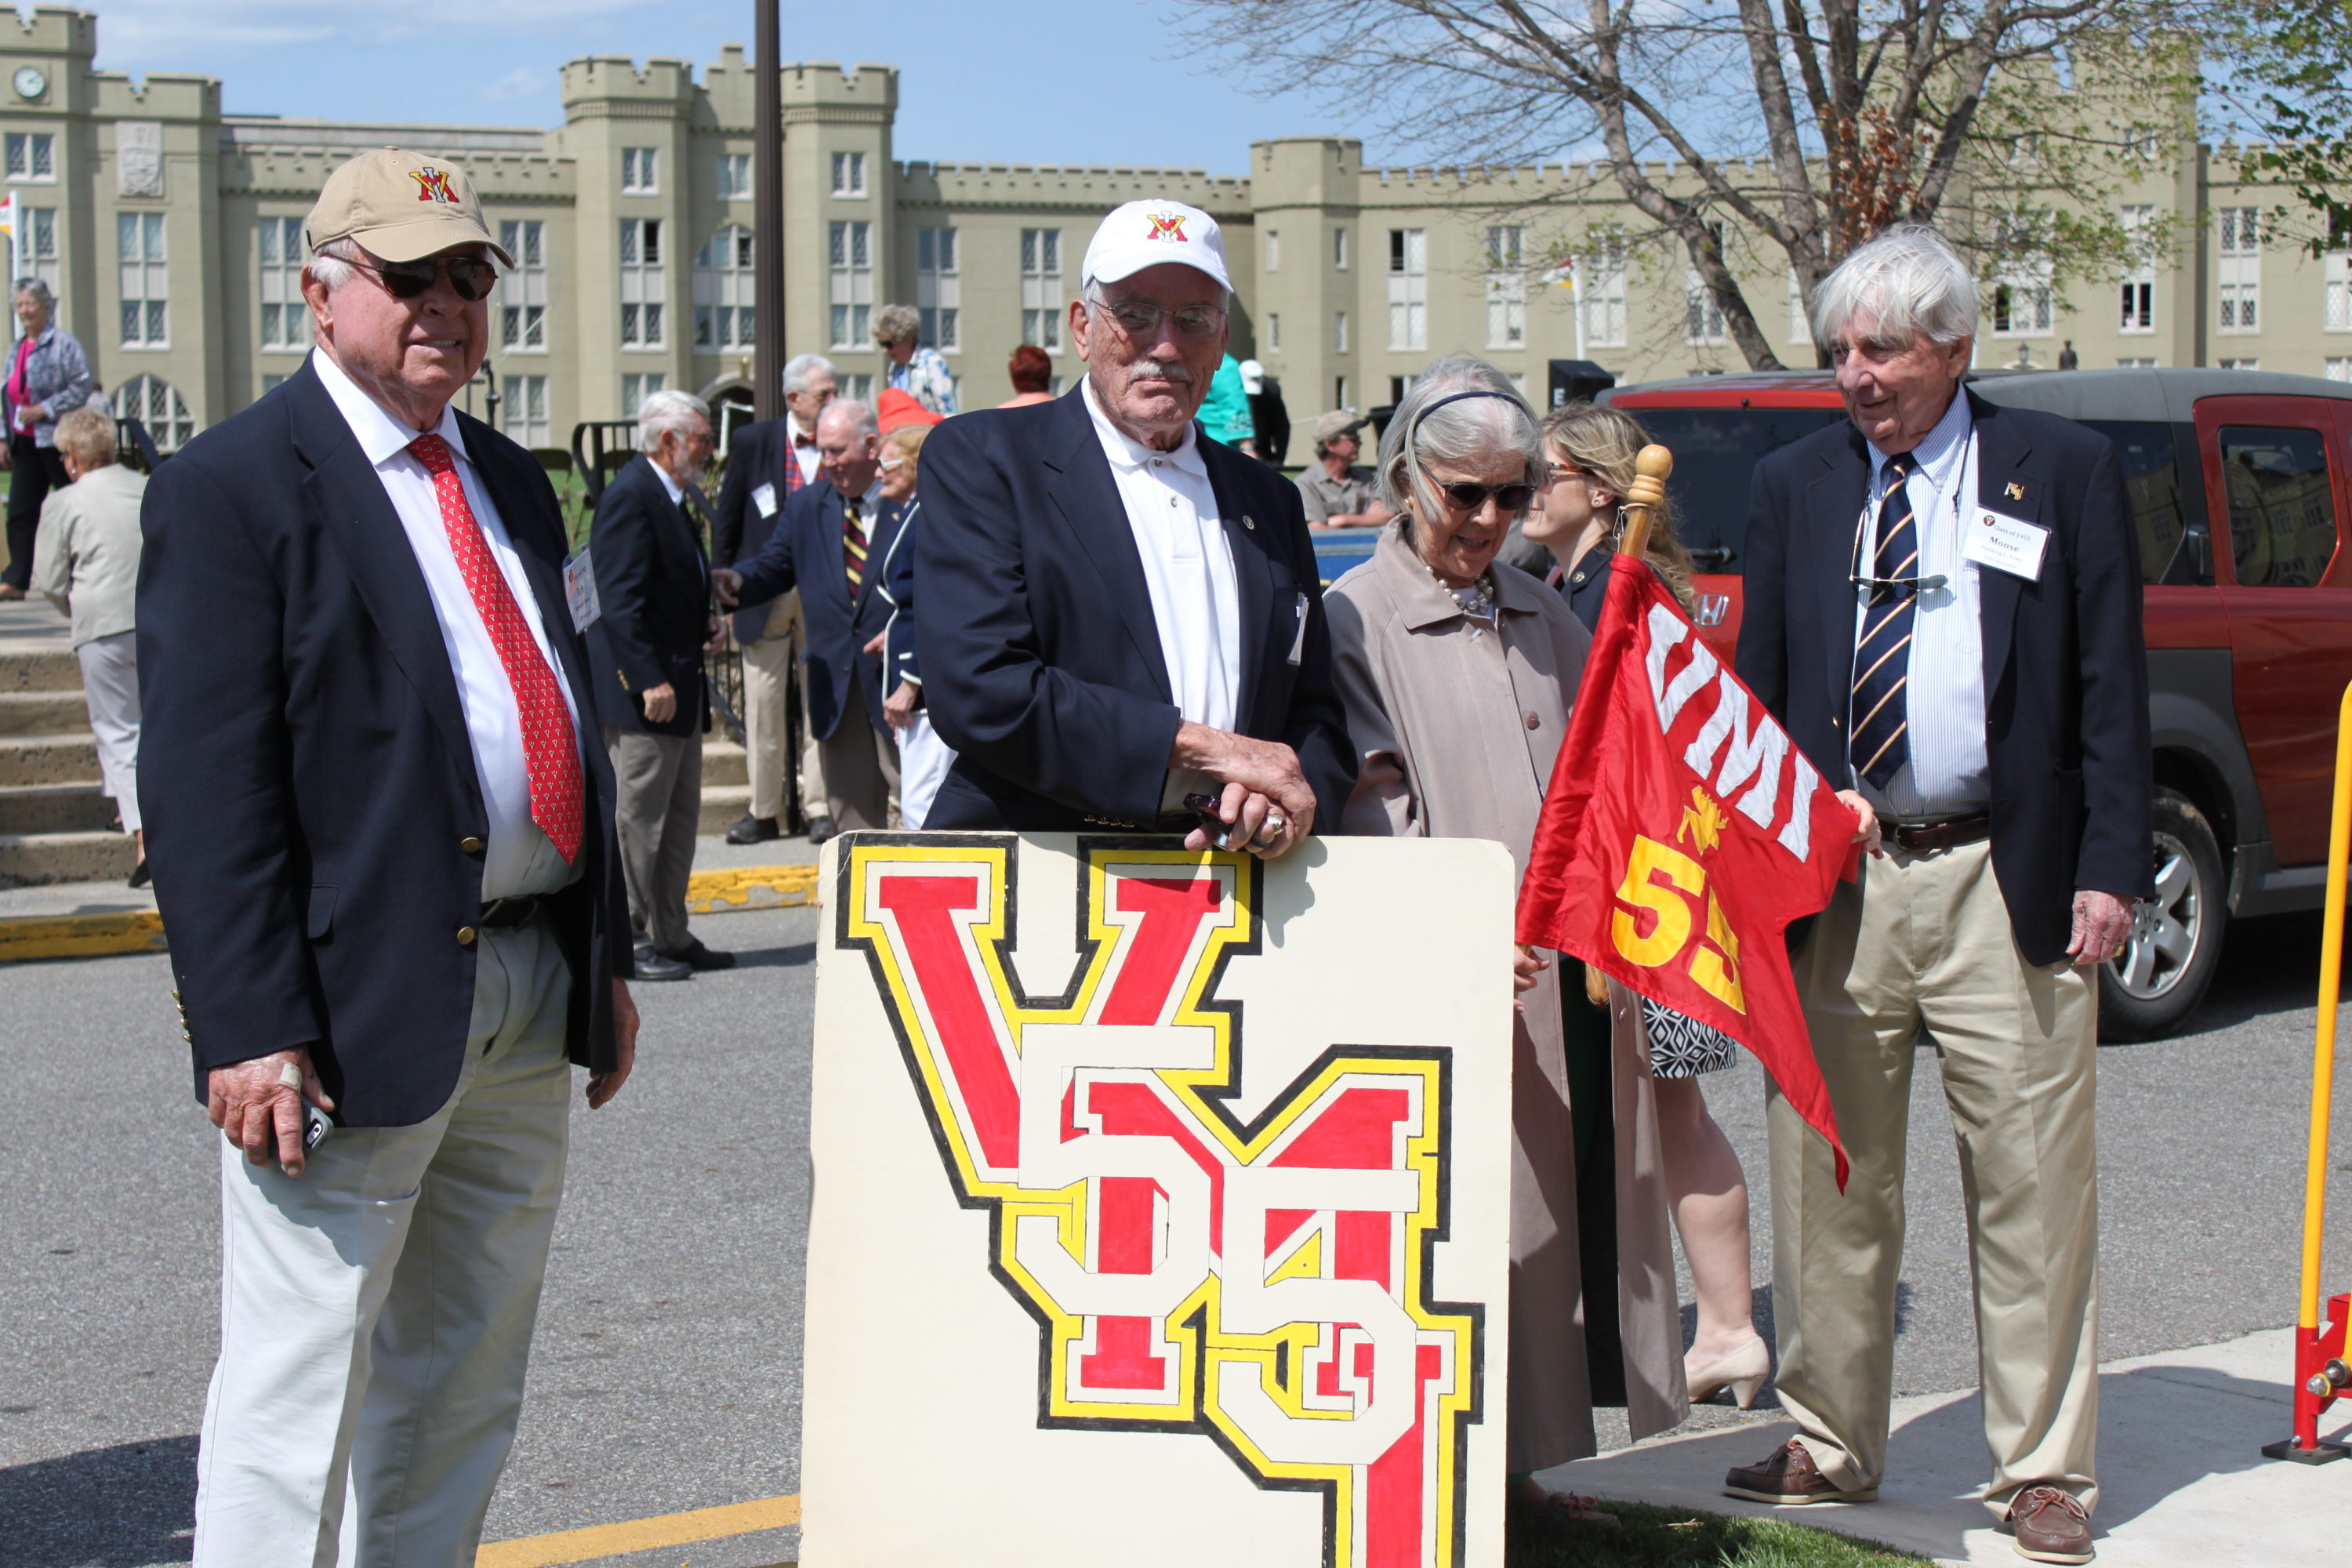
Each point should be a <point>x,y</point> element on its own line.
<point>1170,228</point>
<point>433,185</point>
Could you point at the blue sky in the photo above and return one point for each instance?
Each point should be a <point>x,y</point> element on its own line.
<point>1001,82</point>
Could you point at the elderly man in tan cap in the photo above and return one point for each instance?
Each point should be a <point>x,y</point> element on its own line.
<point>1335,491</point>
<point>386,857</point>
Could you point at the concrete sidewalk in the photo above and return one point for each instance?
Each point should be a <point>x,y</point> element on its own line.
<point>2184,1484</point>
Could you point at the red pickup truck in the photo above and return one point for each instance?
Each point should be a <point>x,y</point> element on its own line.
<point>2242,487</point>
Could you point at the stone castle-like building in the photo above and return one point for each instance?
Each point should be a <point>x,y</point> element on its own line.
<point>171,234</point>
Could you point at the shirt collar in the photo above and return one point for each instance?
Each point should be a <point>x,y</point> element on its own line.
<point>1125,452</point>
<point>1938,448</point>
<point>380,435</point>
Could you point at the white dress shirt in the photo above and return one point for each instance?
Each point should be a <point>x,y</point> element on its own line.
<point>807,457</point>
<point>1947,773</point>
<point>519,859</point>
<point>1187,568</point>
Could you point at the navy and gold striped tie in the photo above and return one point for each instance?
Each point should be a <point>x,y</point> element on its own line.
<point>853,547</point>
<point>1882,658</point>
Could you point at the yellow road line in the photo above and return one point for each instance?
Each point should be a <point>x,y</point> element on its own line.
<point>640,1534</point>
<point>79,936</point>
<point>750,887</point>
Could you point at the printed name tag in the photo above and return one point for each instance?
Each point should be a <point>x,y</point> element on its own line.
<point>2006,544</point>
<point>580,591</point>
<point>764,497</point>
<point>1298,639</point>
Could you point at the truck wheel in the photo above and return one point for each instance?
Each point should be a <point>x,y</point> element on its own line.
<point>2176,943</point>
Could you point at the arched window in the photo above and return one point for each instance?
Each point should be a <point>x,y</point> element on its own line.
<point>723,290</point>
<point>157,404</point>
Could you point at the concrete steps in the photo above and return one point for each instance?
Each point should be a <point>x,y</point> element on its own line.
<point>56,824</point>
<point>726,784</point>
<point>43,713</point>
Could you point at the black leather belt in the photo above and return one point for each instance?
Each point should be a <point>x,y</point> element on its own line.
<point>1926,838</point>
<point>501,913</point>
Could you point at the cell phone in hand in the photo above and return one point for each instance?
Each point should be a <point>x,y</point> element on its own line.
<point>1204,807</point>
<point>316,1125</point>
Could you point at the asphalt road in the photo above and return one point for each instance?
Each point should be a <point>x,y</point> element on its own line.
<point>668,1356</point>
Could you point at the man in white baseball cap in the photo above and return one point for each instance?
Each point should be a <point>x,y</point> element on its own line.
<point>1119,611</point>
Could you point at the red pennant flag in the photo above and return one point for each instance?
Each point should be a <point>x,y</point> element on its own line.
<point>1683,831</point>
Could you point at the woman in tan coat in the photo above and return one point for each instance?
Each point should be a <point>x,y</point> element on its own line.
<point>1458,673</point>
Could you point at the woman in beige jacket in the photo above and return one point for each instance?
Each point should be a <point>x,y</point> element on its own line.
<point>1458,673</point>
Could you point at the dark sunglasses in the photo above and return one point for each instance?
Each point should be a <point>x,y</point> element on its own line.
<point>471,276</point>
<point>1468,497</point>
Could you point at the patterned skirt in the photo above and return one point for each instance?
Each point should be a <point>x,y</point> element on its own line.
<point>1684,1048</point>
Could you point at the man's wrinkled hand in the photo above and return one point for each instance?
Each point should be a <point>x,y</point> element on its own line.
<point>661,703</point>
<point>1265,802</point>
<point>2103,924</point>
<point>898,708</point>
<point>874,643</point>
<point>258,1107</point>
<point>603,1086</point>
<point>727,583</point>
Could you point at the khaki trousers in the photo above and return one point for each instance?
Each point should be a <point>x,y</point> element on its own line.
<point>1924,940</point>
<point>658,782</point>
<point>861,769</point>
<point>767,669</point>
<point>376,1310</point>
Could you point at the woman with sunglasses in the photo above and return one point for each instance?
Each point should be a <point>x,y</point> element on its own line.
<point>1458,673</point>
<point>1592,450</point>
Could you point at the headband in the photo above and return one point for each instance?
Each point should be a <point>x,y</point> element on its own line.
<point>1413,434</point>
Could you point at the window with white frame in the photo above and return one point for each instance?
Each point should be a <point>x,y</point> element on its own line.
<point>636,388</point>
<point>2242,364</point>
<point>857,388</point>
<point>1602,296</point>
<point>723,286</point>
<point>1274,250</point>
<point>146,288</point>
<point>1340,393</point>
<point>38,247</point>
<point>2339,368</point>
<point>1274,332</point>
<point>522,410</point>
<point>32,156</point>
<point>2021,308</point>
<point>2141,362</point>
<point>1339,333</point>
<point>1507,287</point>
<point>2138,302</point>
<point>849,173</point>
<point>643,284</point>
<point>1703,321</point>
<point>939,289</point>
<point>1408,287</point>
<point>522,291</point>
<point>285,318</point>
<point>637,175</point>
<point>850,263</point>
<point>1339,248</point>
<point>2337,270</point>
<point>1041,289</point>
<point>156,404</point>
<point>1397,386</point>
<point>734,177</point>
<point>2241,272</point>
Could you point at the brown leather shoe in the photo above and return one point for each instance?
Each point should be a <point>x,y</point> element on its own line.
<point>1789,1475</point>
<point>2050,1526</point>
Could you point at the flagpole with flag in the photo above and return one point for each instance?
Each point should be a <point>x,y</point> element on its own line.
<point>1683,830</point>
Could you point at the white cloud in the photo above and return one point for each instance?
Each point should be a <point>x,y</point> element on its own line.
<point>521,82</point>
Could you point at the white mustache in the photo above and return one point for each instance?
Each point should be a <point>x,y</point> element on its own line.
<point>1163,370</point>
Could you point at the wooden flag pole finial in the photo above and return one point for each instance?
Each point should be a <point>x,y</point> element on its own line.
<point>1649,470</point>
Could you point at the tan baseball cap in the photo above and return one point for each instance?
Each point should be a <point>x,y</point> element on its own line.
<point>1337,423</point>
<point>401,205</point>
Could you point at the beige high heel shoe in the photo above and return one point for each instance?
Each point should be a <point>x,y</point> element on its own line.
<point>1743,1372</point>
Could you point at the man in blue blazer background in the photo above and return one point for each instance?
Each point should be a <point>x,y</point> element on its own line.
<point>830,543</point>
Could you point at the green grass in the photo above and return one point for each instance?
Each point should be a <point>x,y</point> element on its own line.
<point>1674,1538</point>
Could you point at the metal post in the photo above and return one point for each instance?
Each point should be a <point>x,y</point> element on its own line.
<point>768,218</point>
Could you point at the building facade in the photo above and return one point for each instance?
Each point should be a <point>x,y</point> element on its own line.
<point>171,234</point>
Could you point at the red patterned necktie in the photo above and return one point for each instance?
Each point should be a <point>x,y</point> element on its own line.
<point>550,750</point>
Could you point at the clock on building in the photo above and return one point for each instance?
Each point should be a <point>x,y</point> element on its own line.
<point>29,82</point>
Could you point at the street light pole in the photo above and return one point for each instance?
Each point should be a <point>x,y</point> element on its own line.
<point>768,218</point>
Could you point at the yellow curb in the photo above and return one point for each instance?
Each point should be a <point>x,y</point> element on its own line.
<point>640,1534</point>
<point>24,937</point>
<point>750,887</point>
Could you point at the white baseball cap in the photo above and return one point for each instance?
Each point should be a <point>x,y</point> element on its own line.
<point>1145,234</point>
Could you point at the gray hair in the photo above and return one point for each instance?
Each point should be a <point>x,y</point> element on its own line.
<point>38,290</point>
<point>333,263</point>
<point>861,418</point>
<point>88,433</point>
<point>1905,280</point>
<point>1466,434</point>
<point>666,411</point>
<point>898,323</point>
<point>800,367</point>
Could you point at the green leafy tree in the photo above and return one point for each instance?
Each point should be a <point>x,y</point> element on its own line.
<point>2289,70</point>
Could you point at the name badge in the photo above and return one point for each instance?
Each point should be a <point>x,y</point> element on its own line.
<point>2005,544</point>
<point>580,591</point>
<point>1298,638</point>
<point>764,497</point>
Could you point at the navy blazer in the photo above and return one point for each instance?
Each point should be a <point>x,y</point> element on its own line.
<point>756,455</point>
<point>1045,666</point>
<point>900,660</point>
<point>2065,669</point>
<point>806,552</point>
<point>653,597</point>
<point>305,770</point>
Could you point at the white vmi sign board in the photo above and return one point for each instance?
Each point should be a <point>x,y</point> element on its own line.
<point>1162,1205</point>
